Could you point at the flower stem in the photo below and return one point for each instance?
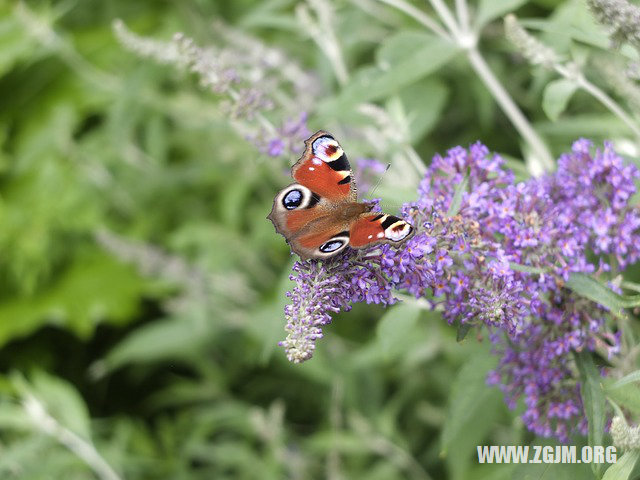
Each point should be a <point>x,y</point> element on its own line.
<point>462,12</point>
<point>608,102</point>
<point>511,110</point>
<point>83,449</point>
<point>446,16</point>
<point>467,40</point>
<point>419,17</point>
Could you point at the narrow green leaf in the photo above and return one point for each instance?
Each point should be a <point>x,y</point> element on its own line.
<point>590,288</point>
<point>525,268</point>
<point>160,340</point>
<point>556,96</point>
<point>397,327</point>
<point>631,285</point>
<point>60,398</point>
<point>630,301</point>
<point>491,9</point>
<point>456,201</point>
<point>422,120</point>
<point>626,395</point>
<point>95,288</point>
<point>624,467</point>
<point>617,411</point>
<point>632,377</point>
<point>463,330</point>
<point>593,400</point>
<point>472,411</point>
<point>373,83</point>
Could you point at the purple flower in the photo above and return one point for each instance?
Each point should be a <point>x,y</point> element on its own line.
<point>367,171</point>
<point>287,140</point>
<point>501,262</point>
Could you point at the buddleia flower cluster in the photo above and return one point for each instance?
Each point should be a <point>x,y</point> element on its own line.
<point>495,254</point>
<point>251,79</point>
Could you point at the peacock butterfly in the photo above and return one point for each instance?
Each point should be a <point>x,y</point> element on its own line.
<point>320,215</point>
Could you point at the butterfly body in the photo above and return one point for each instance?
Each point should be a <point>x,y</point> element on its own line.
<point>320,215</point>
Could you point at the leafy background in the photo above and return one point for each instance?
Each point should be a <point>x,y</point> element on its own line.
<point>142,288</point>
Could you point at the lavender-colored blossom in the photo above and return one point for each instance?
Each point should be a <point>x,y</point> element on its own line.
<point>324,288</point>
<point>500,262</point>
<point>286,140</point>
<point>250,78</point>
<point>367,171</point>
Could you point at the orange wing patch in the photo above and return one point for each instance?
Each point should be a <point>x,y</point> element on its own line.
<point>366,230</point>
<point>320,178</point>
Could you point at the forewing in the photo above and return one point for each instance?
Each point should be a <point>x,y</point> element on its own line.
<point>325,170</point>
<point>293,209</point>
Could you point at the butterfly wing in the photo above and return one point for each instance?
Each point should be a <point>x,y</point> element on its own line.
<point>325,237</point>
<point>313,226</point>
<point>371,228</point>
<point>319,216</point>
<point>325,170</point>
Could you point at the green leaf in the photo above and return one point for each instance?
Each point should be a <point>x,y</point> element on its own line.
<point>541,471</point>
<point>627,395</point>
<point>423,115</point>
<point>627,379</point>
<point>624,467</point>
<point>525,268</point>
<point>61,400</point>
<point>632,285</point>
<point>396,328</point>
<point>598,125</point>
<point>556,96</point>
<point>593,400</point>
<point>15,43</point>
<point>404,61</point>
<point>472,412</point>
<point>571,20</point>
<point>590,288</point>
<point>489,10</point>
<point>462,332</point>
<point>160,340</point>
<point>93,289</point>
<point>456,201</point>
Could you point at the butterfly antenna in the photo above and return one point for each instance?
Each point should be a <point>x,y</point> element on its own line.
<point>370,193</point>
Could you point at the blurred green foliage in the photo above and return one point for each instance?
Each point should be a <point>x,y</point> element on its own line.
<point>171,369</point>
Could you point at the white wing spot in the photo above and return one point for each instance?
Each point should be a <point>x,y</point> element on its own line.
<point>311,168</point>
<point>316,161</point>
<point>370,236</point>
<point>380,235</point>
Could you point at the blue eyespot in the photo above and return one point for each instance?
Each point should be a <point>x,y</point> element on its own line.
<point>331,246</point>
<point>292,200</point>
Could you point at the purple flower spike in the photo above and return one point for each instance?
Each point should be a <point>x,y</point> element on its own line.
<point>500,263</point>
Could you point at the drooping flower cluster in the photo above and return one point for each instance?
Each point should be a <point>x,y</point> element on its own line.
<point>497,254</point>
<point>621,16</point>
<point>251,78</point>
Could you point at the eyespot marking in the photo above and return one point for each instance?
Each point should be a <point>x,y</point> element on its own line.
<point>329,151</point>
<point>292,199</point>
<point>331,246</point>
<point>398,231</point>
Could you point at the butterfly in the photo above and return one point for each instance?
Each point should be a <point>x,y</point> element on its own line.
<point>319,216</point>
